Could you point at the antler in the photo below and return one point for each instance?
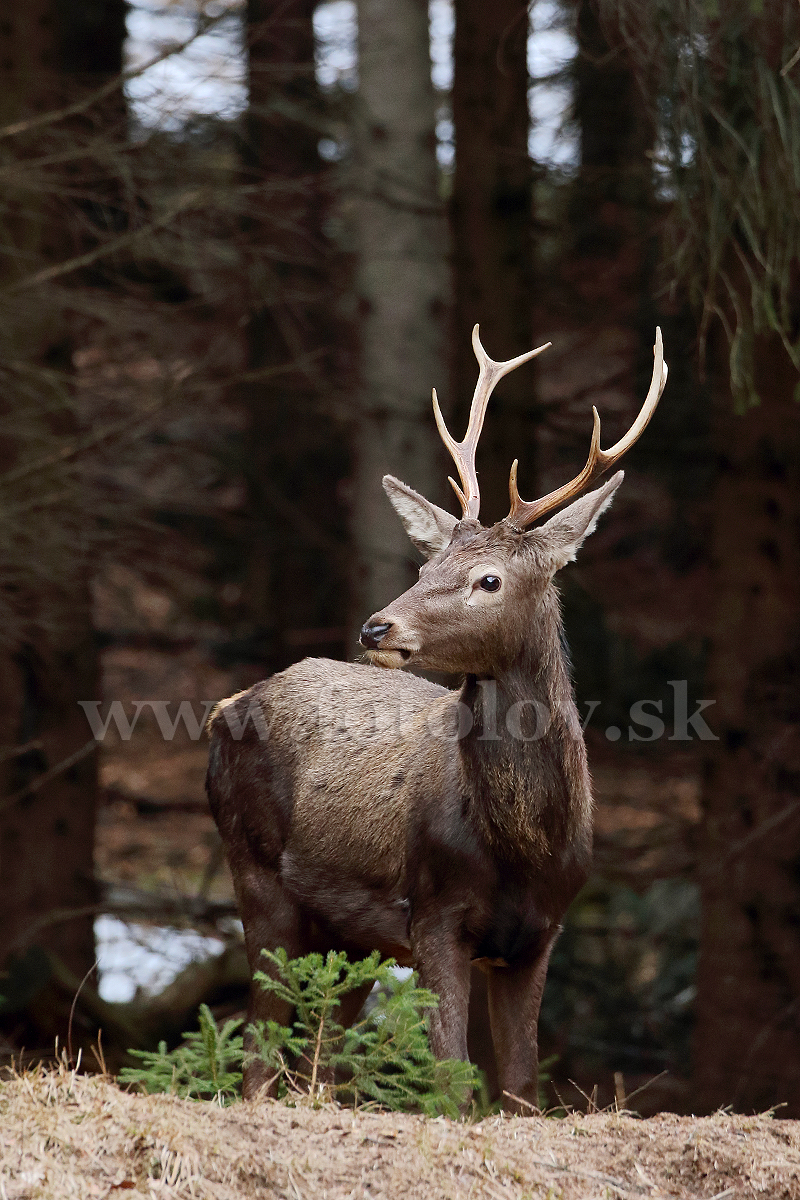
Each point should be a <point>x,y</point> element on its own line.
<point>463,453</point>
<point>524,513</point>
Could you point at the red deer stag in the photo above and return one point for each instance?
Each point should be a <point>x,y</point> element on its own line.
<point>363,809</point>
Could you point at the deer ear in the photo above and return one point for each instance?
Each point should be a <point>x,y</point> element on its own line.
<point>565,533</point>
<point>429,527</point>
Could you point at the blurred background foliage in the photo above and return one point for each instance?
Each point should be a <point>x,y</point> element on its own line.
<point>240,242</point>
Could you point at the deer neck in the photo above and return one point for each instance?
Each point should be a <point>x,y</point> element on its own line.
<point>524,757</point>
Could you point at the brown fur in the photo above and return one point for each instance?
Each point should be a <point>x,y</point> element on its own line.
<point>357,820</point>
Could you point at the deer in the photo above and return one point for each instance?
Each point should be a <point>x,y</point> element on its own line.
<point>365,808</point>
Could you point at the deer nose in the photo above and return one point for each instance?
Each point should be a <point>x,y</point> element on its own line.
<point>373,632</point>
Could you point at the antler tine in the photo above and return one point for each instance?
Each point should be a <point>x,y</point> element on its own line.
<point>523,512</point>
<point>463,453</point>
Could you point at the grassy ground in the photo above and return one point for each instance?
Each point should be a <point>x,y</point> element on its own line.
<point>64,1135</point>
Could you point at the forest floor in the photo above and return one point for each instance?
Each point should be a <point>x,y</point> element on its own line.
<point>64,1135</point>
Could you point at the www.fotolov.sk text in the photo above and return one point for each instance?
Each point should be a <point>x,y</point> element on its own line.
<point>648,720</point>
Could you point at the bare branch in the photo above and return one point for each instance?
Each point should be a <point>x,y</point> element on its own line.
<point>204,23</point>
<point>42,780</point>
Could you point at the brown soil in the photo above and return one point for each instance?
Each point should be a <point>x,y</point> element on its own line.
<point>63,1135</point>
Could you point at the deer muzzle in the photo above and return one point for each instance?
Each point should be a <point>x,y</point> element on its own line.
<point>374,638</point>
<point>373,632</point>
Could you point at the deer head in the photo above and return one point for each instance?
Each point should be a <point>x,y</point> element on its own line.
<point>480,588</point>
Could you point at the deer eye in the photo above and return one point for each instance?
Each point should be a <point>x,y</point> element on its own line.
<point>491,583</point>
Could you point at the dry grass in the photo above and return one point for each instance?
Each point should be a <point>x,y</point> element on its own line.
<point>64,1135</point>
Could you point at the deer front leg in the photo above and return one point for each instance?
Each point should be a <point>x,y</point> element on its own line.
<point>515,996</point>
<point>443,964</point>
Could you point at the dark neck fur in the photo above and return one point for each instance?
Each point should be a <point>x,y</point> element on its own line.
<point>525,755</point>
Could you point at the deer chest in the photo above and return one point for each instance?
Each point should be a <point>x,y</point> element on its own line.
<point>509,929</point>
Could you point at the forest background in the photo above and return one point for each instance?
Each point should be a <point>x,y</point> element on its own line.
<point>221,314</point>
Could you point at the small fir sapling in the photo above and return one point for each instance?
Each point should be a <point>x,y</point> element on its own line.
<point>384,1059</point>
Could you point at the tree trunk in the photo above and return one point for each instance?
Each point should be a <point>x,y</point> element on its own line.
<point>611,201</point>
<point>52,51</point>
<point>402,288</point>
<point>492,219</point>
<point>600,303</point>
<point>747,1043</point>
<point>613,191</point>
<point>491,229</point>
<point>294,452</point>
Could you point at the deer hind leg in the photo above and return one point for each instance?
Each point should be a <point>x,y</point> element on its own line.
<point>515,996</point>
<point>270,919</point>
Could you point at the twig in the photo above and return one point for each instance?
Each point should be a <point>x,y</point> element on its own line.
<point>97,1051</point>
<point>41,780</point>
<point>55,917</point>
<point>646,1085</point>
<point>72,1010</point>
<point>640,1171</point>
<point>16,751</point>
<point>761,830</point>
<point>492,1190</point>
<point>125,1027</point>
<point>317,1052</point>
<point>263,1091</point>
<point>204,23</point>
<point>295,1188</point>
<point>518,1099</point>
<point>624,1189</point>
<point>618,1103</point>
<point>792,62</point>
<point>196,199</point>
<point>151,906</point>
<point>568,1108</point>
<point>91,439</point>
<point>590,1100</point>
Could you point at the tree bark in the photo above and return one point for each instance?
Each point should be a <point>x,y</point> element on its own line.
<point>614,183</point>
<point>611,202</point>
<point>52,50</point>
<point>600,302</point>
<point>403,294</point>
<point>747,1042</point>
<point>491,213</point>
<point>295,451</point>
